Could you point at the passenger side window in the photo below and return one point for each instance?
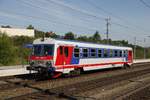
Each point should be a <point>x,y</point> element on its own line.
<point>111,53</point>
<point>99,53</point>
<point>85,52</point>
<point>125,53</point>
<point>105,53</point>
<point>93,52</point>
<point>116,53</point>
<point>76,52</point>
<point>66,51</point>
<point>120,53</point>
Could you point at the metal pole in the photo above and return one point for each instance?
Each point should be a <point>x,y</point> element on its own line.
<point>22,61</point>
<point>134,47</point>
<point>144,49</point>
<point>107,29</point>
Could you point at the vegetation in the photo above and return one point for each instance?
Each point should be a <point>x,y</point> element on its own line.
<point>30,27</point>
<point>7,26</point>
<point>7,51</point>
<point>12,50</point>
<point>69,36</point>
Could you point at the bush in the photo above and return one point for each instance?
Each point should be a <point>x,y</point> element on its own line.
<point>7,50</point>
<point>12,51</point>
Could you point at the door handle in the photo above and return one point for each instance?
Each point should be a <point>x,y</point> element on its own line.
<point>64,63</point>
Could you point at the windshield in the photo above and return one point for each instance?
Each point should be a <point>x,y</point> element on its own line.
<point>43,50</point>
<point>48,50</point>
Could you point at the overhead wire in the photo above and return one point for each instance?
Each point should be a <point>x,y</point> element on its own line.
<point>117,17</point>
<point>47,20</point>
<point>54,21</point>
<point>143,2</point>
<point>50,21</point>
<point>83,12</point>
<point>77,10</point>
<point>102,9</point>
<point>45,9</point>
<point>95,16</point>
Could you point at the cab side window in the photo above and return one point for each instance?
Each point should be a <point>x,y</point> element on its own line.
<point>61,50</point>
<point>66,51</point>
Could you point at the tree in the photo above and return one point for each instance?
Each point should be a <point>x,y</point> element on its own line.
<point>21,40</point>
<point>96,37</point>
<point>30,27</point>
<point>69,36</point>
<point>7,26</point>
<point>39,34</point>
<point>51,34</point>
<point>82,38</point>
<point>7,50</point>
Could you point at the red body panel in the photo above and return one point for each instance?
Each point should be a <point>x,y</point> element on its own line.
<point>130,56</point>
<point>68,59</point>
<point>61,58</point>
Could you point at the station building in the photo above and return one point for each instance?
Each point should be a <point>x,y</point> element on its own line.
<point>17,32</point>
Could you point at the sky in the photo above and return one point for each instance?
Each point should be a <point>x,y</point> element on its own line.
<point>128,18</point>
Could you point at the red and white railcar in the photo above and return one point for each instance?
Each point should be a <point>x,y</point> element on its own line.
<point>62,56</point>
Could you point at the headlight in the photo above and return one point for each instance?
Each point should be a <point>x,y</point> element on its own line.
<point>49,63</point>
<point>31,63</point>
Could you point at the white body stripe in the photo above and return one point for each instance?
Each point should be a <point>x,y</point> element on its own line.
<point>102,67</point>
<point>100,60</point>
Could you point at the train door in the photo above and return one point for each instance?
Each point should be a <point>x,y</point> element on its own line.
<point>64,55</point>
<point>68,54</point>
<point>60,56</point>
<point>130,56</point>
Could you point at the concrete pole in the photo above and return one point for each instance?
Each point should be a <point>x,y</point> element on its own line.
<point>134,47</point>
<point>107,29</point>
<point>144,49</point>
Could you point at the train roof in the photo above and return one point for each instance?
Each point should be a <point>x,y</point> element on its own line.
<point>77,43</point>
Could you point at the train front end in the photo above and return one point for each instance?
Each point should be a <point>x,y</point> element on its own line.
<point>41,59</point>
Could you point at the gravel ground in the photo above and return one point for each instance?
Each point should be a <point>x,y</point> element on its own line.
<point>143,94</point>
<point>121,90</point>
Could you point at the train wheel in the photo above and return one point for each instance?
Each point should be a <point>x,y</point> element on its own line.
<point>75,72</point>
<point>125,66</point>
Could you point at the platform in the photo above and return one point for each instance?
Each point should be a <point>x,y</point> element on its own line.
<point>141,60</point>
<point>13,70</point>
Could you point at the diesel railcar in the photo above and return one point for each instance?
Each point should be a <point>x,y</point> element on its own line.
<point>54,57</point>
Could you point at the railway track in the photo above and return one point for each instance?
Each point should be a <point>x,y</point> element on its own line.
<point>12,82</point>
<point>75,89</point>
<point>137,94</point>
<point>142,93</point>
